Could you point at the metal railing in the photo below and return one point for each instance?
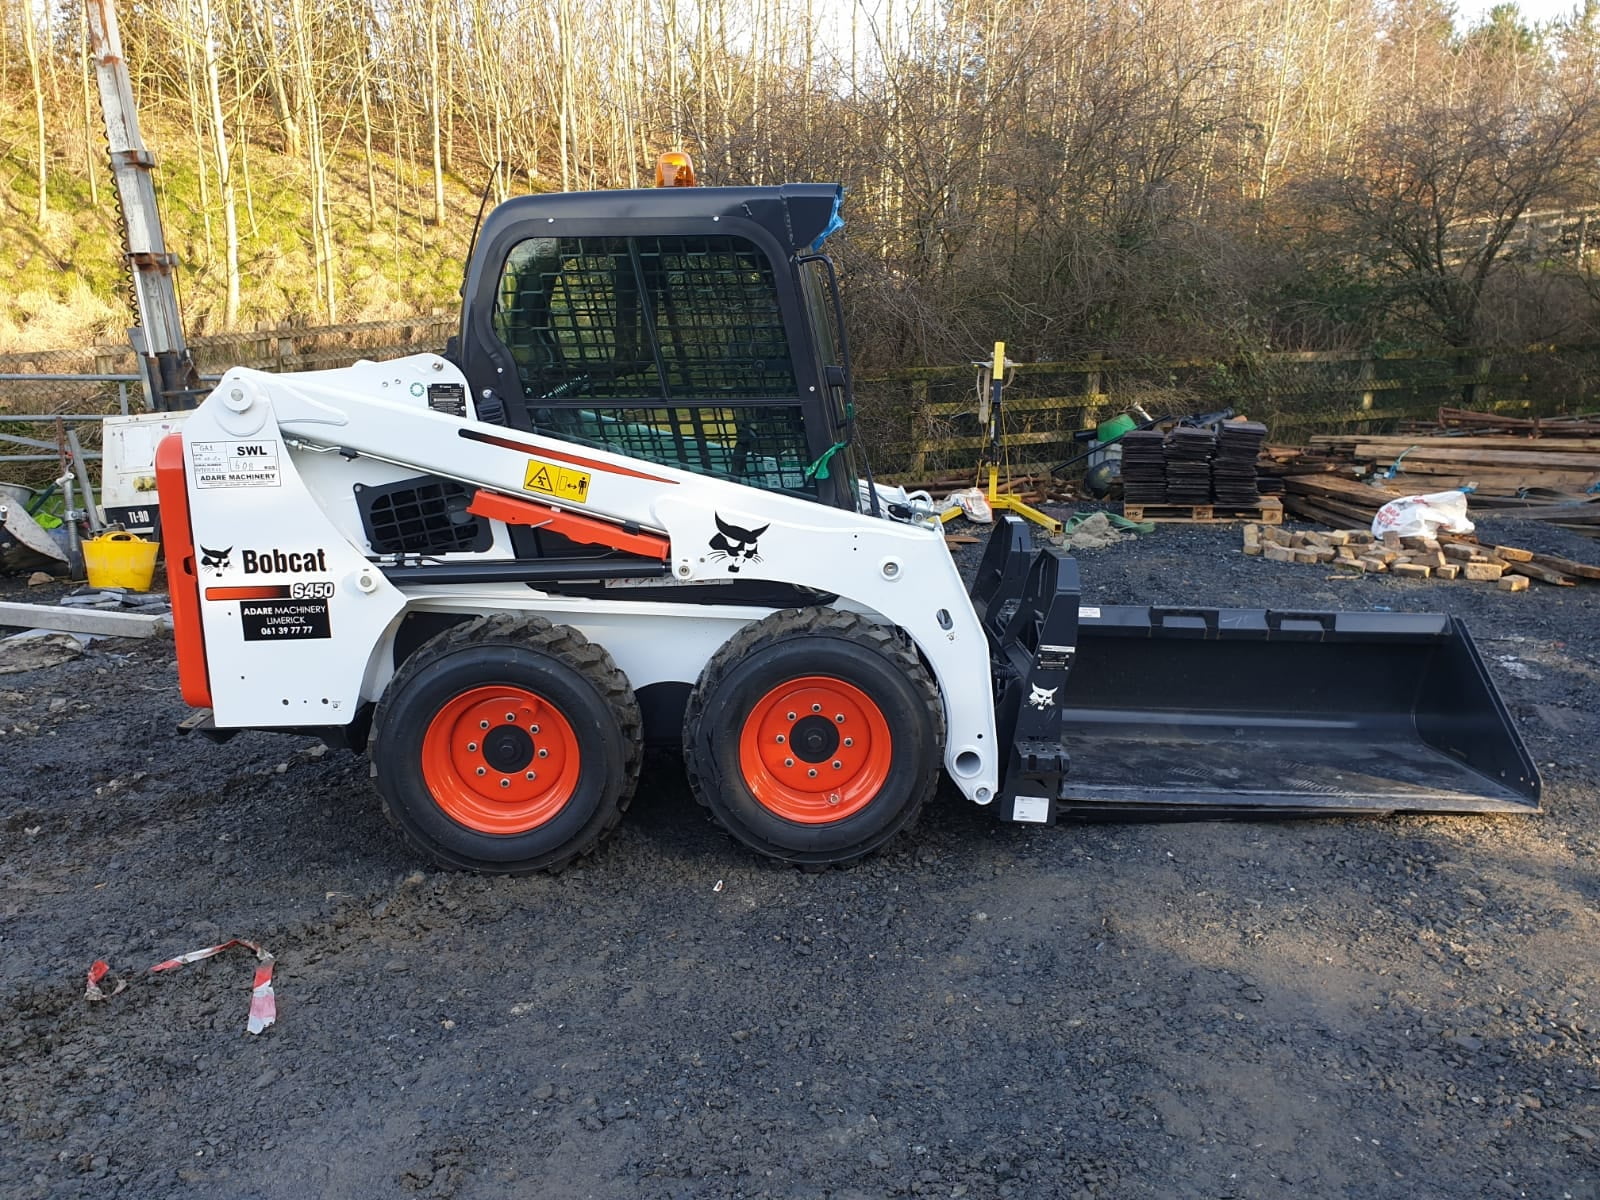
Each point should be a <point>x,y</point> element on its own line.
<point>8,438</point>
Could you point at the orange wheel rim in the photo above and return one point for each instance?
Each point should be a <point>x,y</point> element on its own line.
<point>815,750</point>
<point>500,759</point>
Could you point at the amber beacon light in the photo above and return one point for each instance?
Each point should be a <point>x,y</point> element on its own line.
<point>674,169</point>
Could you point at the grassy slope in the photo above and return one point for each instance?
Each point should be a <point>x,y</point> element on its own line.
<point>67,286</point>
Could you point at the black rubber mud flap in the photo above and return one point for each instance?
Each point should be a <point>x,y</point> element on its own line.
<point>1212,712</point>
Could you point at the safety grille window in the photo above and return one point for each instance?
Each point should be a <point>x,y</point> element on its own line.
<point>761,445</point>
<point>635,318</point>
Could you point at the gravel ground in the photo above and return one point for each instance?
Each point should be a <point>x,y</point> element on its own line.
<point>1401,1007</point>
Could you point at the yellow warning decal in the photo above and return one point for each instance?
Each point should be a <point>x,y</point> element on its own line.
<point>562,482</point>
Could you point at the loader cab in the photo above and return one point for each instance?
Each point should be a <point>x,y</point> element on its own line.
<point>693,327</point>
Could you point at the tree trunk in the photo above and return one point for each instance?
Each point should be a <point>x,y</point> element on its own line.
<point>30,48</point>
<point>366,146</point>
<point>91,135</point>
<point>271,65</point>
<point>219,138</point>
<point>435,114</point>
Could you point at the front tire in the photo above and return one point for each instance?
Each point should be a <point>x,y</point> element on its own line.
<point>506,745</point>
<point>814,735</point>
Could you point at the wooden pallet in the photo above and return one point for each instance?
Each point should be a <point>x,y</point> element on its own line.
<point>1268,512</point>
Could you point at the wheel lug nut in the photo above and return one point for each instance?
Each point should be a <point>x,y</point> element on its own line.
<point>838,718</point>
<point>533,729</point>
<point>505,783</point>
<point>849,741</point>
<point>788,762</point>
<point>781,739</point>
<point>511,718</point>
<point>837,765</point>
<point>816,708</point>
<point>483,770</point>
<point>471,747</point>
<point>811,774</point>
<point>791,716</point>
<point>532,775</point>
<point>483,724</point>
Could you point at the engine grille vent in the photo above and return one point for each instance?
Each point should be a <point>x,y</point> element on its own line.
<point>425,515</point>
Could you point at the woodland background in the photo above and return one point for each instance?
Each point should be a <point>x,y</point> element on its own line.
<point>1216,178</point>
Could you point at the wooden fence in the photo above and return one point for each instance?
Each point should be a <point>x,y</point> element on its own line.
<point>920,422</point>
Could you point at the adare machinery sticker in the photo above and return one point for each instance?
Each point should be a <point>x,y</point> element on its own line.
<point>235,464</point>
<point>280,612</point>
<point>284,620</point>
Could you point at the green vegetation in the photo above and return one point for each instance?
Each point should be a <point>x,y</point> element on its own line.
<point>69,287</point>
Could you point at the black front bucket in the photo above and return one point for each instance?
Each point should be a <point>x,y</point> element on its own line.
<point>1178,711</point>
<point>1245,709</point>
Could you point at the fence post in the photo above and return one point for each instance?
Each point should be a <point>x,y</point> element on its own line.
<point>1093,393</point>
<point>1365,374</point>
<point>1471,370</point>
<point>919,414</point>
<point>285,348</point>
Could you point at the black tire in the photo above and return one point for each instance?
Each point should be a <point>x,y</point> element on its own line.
<point>440,802</point>
<point>736,710</point>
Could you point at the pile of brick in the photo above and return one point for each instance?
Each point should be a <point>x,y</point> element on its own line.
<point>1408,557</point>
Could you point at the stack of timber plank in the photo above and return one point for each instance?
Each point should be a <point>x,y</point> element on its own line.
<point>1480,422</point>
<point>1335,500</point>
<point>1498,464</point>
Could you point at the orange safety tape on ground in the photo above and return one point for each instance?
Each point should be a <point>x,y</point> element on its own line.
<point>263,1000</point>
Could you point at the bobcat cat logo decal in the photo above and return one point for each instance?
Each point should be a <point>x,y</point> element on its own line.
<point>1042,697</point>
<point>736,545</point>
<point>217,560</point>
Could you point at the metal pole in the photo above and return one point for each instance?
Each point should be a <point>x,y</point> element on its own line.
<point>82,470</point>
<point>170,378</point>
<point>69,516</point>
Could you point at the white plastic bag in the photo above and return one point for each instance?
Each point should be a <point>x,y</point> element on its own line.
<point>1424,516</point>
<point>974,505</point>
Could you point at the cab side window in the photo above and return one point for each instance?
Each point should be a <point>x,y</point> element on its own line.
<point>671,318</point>
<point>671,349</point>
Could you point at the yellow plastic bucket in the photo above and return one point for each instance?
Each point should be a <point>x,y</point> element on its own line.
<point>120,560</point>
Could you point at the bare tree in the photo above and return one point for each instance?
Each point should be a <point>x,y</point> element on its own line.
<point>30,49</point>
<point>1433,205</point>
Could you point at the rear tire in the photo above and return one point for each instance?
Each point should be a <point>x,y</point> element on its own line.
<point>814,735</point>
<point>506,745</point>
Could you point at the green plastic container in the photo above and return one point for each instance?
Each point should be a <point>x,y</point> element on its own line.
<point>1114,428</point>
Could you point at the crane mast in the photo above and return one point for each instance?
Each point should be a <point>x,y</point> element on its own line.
<point>170,379</point>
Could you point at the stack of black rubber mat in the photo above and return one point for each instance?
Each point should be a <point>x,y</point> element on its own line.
<point>1233,469</point>
<point>1188,454</point>
<point>1144,467</point>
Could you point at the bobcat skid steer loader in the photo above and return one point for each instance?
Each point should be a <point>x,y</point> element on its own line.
<point>624,506</point>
